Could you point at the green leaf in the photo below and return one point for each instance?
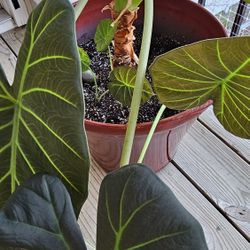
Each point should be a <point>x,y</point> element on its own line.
<point>104,34</point>
<point>141,212</point>
<point>135,4</point>
<point>85,60</point>
<point>39,215</point>
<point>247,1</point>
<point>122,84</point>
<point>121,5</point>
<point>216,69</point>
<point>41,125</point>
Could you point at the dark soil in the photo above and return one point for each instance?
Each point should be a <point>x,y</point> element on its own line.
<point>109,110</point>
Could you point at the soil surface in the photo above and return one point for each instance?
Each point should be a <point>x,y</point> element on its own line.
<point>109,110</point>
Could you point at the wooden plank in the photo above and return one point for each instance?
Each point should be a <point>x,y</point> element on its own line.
<point>14,38</point>
<point>219,172</point>
<point>20,14</point>
<point>239,144</point>
<point>220,234</point>
<point>7,61</point>
<point>6,21</point>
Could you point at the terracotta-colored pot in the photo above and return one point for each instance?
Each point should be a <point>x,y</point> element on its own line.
<point>183,20</point>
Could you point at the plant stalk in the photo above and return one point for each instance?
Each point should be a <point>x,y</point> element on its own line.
<point>79,7</point>
<point>136,100</point>
<point>151,133</point>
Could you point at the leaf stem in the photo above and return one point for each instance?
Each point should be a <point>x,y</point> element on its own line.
<point>102,95</point>
<point>110,59</point>
<point>136,100</point>
<point>79,7</point>
<point>151,133</point>
<point>122,13</point>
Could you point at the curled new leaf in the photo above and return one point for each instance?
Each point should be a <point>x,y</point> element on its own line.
<point>39,215</point>
<point>141,212</point>
<point>216,69</point>
<point>123,83</point>
<point>41,125</point>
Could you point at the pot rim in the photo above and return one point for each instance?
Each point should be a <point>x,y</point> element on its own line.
<point>223,29</point>
<point>166,123</point>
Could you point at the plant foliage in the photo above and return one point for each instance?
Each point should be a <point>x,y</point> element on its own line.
<point>39,215</point>
<point>122,84</point>
<point>141,212</point>
<point>41,125</point>
<point>85,60</point>
<point>216,69</point>
<point>121,4</point>
<point>104,34</point>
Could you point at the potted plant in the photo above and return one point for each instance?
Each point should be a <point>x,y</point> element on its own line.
<point>186,22</point>
<point>39,214</point>
<point>42,118</point>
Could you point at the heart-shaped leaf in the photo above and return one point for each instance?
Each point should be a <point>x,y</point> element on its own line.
<point>104,34</point>
<point>122,84</point>
<point>41,125</point>
<point>216,69</point>
<point>138,211</point>
<point>39,215</point>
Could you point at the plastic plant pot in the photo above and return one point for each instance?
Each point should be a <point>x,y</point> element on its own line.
<point>183,20</point>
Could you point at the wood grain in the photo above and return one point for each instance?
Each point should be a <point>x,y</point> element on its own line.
<point>14,38</point>
<point>242,146</point>
<point>218,171</point>
<point>7,61</point>
<point>220,234</point>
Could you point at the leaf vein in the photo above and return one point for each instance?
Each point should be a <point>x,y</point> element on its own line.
<point>51,131</point>
<point>33,90</point>
<point>47,155</point>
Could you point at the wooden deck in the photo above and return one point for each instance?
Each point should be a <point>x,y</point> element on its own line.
<point>210,174</point>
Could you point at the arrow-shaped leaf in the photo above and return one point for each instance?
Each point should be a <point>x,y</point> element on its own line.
<point>41,125</point>
<point>216,69</point>
<point>122,84</point>
<point>39,215</point>
<point>137,210</point>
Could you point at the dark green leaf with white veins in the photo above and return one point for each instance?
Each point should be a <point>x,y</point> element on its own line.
<point>216,69</point>
<point>104,34</point>
<point>39,215</point>
<point>141,212</point>
<point>122,84</point>
<point>41,125</point>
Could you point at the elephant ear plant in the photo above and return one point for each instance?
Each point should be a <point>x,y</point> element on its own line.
<point>41,130</point>
<point>183,78</point>
<point>41,124</point>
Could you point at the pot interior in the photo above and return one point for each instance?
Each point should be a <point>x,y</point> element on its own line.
<point>184,20</point>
